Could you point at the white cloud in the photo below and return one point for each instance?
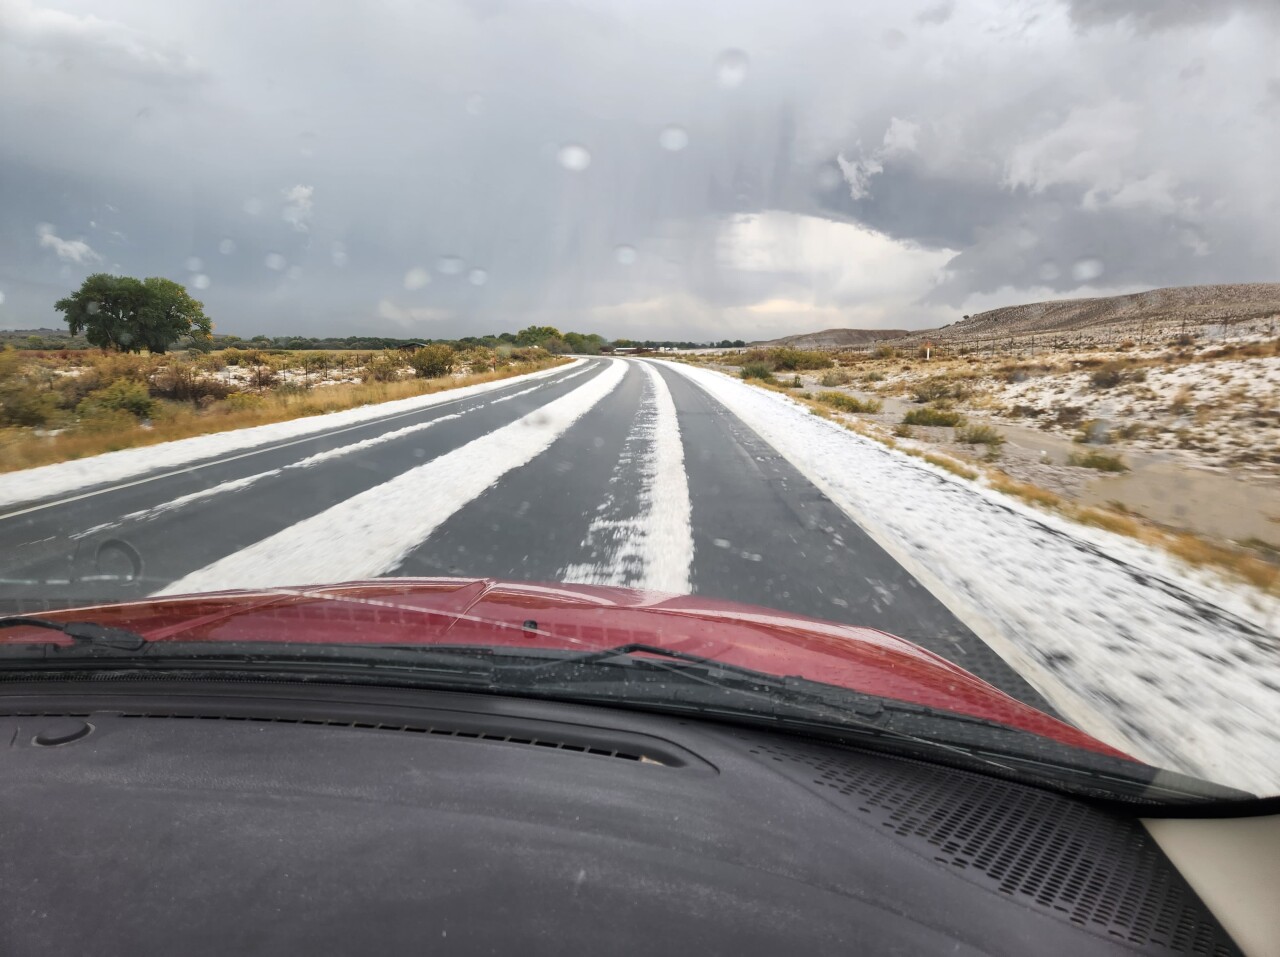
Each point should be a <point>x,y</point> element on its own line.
<point>102,44</point>
<point>857,173</point>
<point>901,136</point>
<point>842,264</point>
<point>68,250</point>
<point>298,206</point>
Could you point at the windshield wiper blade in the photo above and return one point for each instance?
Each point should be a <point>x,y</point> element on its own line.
<point>83,632</point>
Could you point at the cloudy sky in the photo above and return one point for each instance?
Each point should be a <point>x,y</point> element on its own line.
<point>659,168</point>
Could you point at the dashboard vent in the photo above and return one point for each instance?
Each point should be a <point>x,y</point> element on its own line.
<point>446,731</point>
<point>450,731</point>
<point>1098,871</point>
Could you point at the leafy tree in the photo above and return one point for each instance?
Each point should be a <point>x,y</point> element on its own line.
<point>120,312</point>
<point>536,335</point>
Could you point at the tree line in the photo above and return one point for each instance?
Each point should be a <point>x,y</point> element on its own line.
<point>155,314</point>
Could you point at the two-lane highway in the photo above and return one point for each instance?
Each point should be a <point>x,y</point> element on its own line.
<point>612,471</point>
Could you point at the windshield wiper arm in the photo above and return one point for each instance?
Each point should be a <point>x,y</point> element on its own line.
<point>83,632</point>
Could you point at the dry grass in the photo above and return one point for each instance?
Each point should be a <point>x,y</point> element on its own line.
<point>23,448</point>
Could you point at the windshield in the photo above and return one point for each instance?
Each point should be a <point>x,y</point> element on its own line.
<point>890,370</point>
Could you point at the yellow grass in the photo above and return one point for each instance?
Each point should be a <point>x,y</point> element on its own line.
<point>22,448</point>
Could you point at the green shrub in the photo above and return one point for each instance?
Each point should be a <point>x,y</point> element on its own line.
<point>903,431</point>
<point>244,401</point>
<point>123,395</point>
<point>432,362</point>
<point>931,415</point>
<point>103,421</point>
<point>885,352</point>
<point>848,403</point>
<point>757,370</point>
<point>1097,460</point>
<point>836,377</point>
<point>980,435</point>
<point>873,377</point>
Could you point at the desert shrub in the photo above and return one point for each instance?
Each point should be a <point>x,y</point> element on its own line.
<point>232,356</point>
<point>211,362</point>
<point>123,395</point>
<point>796,383</point>
<point>786,359</point>
<point>431,362</point>
<point>244,401</point>
<point>1107,377</point>
<point>123,365</point>
<point>315,361</point>
<point>102,421</point>
<point>757,370</point>
<point>903,431</point>
<point>382,367</point>
<point>848,403</point>
<point>932,415</point>
<point>1093,432</point>
<point>1025,412</point>
<point>1097,460</point>
<point>477,360</point>
<point>836,377</point>
<point>932,390</point>
<point>873,377</point>
<point>980,435</point>
<point>183,382</point>
<point>885,352</point>
<point>290,388</point>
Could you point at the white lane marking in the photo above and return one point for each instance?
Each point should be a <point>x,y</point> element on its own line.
<point>61,477</point>
<point>234,485</point>
<point>371,533</point>
<point>652,549</point>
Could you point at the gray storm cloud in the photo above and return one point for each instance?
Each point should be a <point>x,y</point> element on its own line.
<point>667,169</point>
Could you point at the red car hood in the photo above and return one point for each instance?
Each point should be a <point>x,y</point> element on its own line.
<point>456,611</point>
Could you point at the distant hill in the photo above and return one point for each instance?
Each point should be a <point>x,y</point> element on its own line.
<point>1194,305</point>
<point>835,338</point>
<point>1103,319</point>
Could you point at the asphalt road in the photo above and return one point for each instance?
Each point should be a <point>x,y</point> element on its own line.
<point>570,478</point>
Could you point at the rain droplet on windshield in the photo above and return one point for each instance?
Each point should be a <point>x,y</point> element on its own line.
<point>338,253</point>
<point>274,261</point>
<point>227,247</point>
<point>194,264</point>
<point>673,139</point>
<point>574,157</point>
<point>416,278</point>
<point>295,272</point>
<point>1048,271</point>
<point>253,206</point>
<point>200,281</point>
<point>731,69</point>
<point>477,277</point>
<point>92,308</point>
<point>1087,268</point>
<point>449,265</point>
<point>625,254</point>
